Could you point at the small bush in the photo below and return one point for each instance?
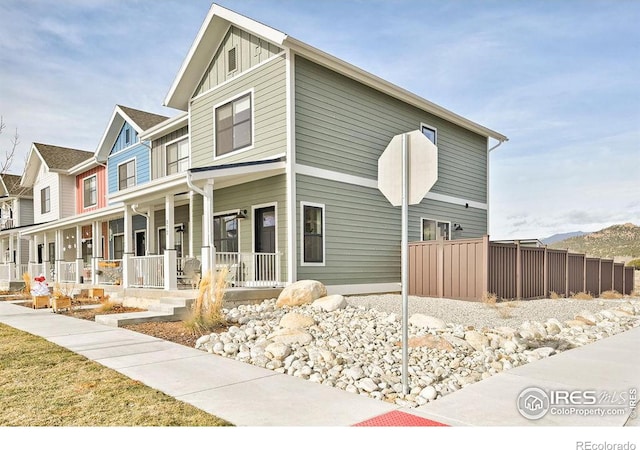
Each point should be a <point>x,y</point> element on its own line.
<point>489,299</point>
<point>581,296</point>
<point>635,263</point>
<point>27,283</point>
<point>610,295</point>
<point>206,314</point>
<point>107,306</point>
<point>555,296</point>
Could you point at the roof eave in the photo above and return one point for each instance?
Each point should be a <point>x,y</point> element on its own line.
<point>163,128</point>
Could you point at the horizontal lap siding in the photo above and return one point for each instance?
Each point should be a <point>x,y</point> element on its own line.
<point>158,154</point>
<point>141,155</point>
<point>343,125</point>
<point>269,114</point>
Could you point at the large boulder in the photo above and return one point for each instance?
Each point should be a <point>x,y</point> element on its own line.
<point>301,293</point>
<point>428,322</point>
<point>330,303</point>
<point>294,321</point>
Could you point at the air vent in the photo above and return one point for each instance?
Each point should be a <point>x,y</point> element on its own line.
<point>232,62</point>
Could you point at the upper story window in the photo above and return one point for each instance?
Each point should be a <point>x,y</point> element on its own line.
<point>127,174</point>
<point>127,136</point>
<point>433,230</point>
<point>233,125</point>
<point>232,60</point>
<point>430,132</point>
<point>178,157</point>
<point>90,190</point>
<point>45,200</point>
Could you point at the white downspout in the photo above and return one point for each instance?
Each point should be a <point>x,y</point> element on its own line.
<point>500,142</point>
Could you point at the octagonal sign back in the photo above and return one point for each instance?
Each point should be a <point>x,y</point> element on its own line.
<point>422,156</point>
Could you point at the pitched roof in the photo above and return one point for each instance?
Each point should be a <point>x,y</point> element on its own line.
<point>143,119</point>
<point>12,184</point>
<point>61,158</point>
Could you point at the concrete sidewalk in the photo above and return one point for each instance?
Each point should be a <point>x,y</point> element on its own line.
<point>247,395</point>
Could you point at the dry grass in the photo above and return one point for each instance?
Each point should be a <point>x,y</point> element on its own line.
<point>581,296</point>
<point>42,384</point>
<point>491,301</point>
<point>106,305</point>
<point>555,296</point>
<point>206,314</point>
<point>26,277</point>
<point>610,295</point>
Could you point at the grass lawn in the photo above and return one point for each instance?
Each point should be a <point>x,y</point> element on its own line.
<point>42,384</point>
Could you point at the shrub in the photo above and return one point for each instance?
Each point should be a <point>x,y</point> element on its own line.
<point>206,314</point>
<point>581,296</point>
<point>635,263</point>
<point>610,295</point>
<point>555,296</point>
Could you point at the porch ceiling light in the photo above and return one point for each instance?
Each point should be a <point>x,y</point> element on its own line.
<point>241,214</point>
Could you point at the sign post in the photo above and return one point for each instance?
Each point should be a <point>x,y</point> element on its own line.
<point>407,170</point>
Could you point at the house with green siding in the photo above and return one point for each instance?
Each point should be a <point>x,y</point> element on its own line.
<point>284,141</point>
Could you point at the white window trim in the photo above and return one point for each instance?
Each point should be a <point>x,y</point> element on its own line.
<point>432,128</point>
<point>163,228</point>
<point>422,219</point>
<point>113,246</point>
<point>95,175</point>
<point>135,173</point>
<point>324,235</point>
<point>251,92</point>
<point>41,192</point>
<point>167,144</point>
<point>135,241</point>
<point>230,212</point>
<point>234,71</point>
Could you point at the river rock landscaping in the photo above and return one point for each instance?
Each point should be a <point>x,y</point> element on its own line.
<point>354,343</point>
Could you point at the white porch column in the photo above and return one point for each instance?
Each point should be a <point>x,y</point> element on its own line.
<point>170,257</point>
<point>96,251</point>
<point>79,262</point>
<point>191,222</point>
<point>128,246</point>
<point>46,270</point>
<point>59,254</point>
<point>208,249</point>
<point>151,231</point>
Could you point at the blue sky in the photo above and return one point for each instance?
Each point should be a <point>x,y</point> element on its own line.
<point>560,79</point>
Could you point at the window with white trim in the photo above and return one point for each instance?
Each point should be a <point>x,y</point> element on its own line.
<point>178,157</point>
<point>177,240</point>
<point>233,125</point>
<point>45,200</point>
<point>312,233</point>
<point>127,175</point>
<point>232,60</point>
<point>90,197</point>
<point>433,230</point>
<point>118,246</point>
<point>225,233</point>
<point>431,133</point>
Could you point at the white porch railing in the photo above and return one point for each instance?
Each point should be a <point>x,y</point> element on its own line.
<point>20,269</point>
<point>250,269</point>
<point>67,272</point>
<point>86,272</point>
<point>147,271</point>
<point>36,269</point>
<point>5,271</point>
<point>110,271</point>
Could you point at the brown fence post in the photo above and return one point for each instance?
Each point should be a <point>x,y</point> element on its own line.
<point>545,274</point>
<point>518,271</point>
<point>440,268</point>
<point>566,274</point>
<point>599,276</point>
<point>485,265</point>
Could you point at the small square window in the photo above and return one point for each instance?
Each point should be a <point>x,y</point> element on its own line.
<point>433,230</point>
<point>232,60</point>
<point>431,133</point>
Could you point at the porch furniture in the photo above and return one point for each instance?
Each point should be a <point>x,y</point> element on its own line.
<point>191,272</point>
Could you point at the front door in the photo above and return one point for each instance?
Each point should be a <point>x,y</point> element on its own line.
<point>265,242</point>
<point>140,244</point>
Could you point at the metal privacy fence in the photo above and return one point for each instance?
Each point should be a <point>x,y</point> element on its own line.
<point>469,268</point>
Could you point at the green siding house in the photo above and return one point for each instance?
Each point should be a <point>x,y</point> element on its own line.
<point>279,162</point>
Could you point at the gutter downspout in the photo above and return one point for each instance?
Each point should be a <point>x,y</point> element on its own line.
<point>500,142</point>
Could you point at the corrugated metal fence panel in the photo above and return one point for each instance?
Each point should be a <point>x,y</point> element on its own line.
<point>606,275</point>
<point>502,270</point>
<point>423,269</point>
<point>576,273</point>
<point>629,275</point>
<point>618,277</point>
<point>593,277</point>
<point>557,271</point>
<point>463,267</point>
<point>532,272</point>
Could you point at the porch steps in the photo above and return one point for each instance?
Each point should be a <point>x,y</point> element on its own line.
<point>166,309</point>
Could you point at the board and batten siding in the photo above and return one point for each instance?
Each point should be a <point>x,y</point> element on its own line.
<point>141,154</point>
<point>343,125</point>
<point>25,207</point>
<point>159,154</point>
<point>269,115</point>
<point>250,51</point>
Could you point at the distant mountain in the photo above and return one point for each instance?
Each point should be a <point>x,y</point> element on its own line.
<point>561,237</point>
<point>616,240</point>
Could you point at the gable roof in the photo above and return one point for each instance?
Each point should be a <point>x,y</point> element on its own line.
<point>10,185</point>
<point>139,120</point>
<point>212,32</point>
<point>55,158</point>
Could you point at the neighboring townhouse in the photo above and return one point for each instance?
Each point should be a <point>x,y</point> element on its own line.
<point>284,143</point>
<point>16,213</point>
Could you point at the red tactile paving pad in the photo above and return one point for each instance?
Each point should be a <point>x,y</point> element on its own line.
<point>399,419</point>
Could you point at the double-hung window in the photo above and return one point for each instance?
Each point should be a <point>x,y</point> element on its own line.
<point>225,233</point>
<point>90,197</point>
<point>433,230</point>
<point>233,125</point>
<point>312,233</point>
<point>178,157</point>
<point>127,174</point>
<point>45,200</point>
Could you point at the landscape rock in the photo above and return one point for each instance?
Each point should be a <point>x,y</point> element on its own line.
<point>291,336</point>
<point>330,303</point>
<point>301,293</point>
<point>428,322</point>
<point>476,339</point>
<point>294,320</point>
<point>430,341</point>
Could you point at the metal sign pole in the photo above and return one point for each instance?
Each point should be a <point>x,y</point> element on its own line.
<point>404,263</point>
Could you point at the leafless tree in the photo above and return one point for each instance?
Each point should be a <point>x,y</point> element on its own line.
<point>9,154</point>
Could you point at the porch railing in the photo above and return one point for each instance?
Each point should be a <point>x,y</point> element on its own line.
<point>110,271</point>
<point>147,271</point>
<point>250,269</point>
<point>67,272</point>
<point>5,271</point>
<point>21,269</point>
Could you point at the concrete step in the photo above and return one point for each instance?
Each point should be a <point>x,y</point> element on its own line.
<point>117,320</point>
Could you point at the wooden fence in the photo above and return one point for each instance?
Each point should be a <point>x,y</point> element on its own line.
<point>469,268</point>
